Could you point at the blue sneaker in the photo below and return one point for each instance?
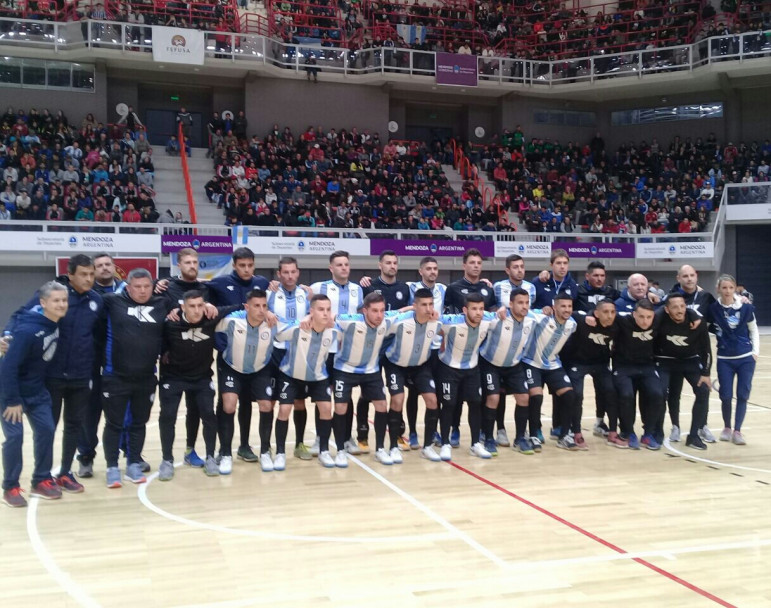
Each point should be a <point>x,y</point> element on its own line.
<point>539,436</point>
<point>455,438</point>
<point>414,444</point>
<point>634,442</point>
<point>659,437</point>
<point>134,473</point>
<point>491,447</point>
<point>193,460</point>
<point>555,433</point>
<point>649,441</point>
<point>524,446</point>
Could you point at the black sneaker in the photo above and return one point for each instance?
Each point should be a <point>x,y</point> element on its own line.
<point>246,454</point>
<point>695,442</point>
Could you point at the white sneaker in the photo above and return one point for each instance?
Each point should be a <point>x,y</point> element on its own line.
<point>352,447</point>
<point>383,457</point>
<point>341,460</point>
<point>502,439</point>
<point>429,453</point>
<point>316,447</point>
<point>725,435</point>
<point>396,456</point>
<point>675,434</point>
<point>326,460</point>
<point>266,462</point>
<point>226,465</point>
<point>706,435</point>
<point>445,452</point>
<point>279,462</point>
<point>478,449</point>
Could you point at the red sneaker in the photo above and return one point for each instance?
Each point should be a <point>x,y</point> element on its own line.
<point>13,498</point>
<point>67,483</point>
<point>47,490</point>
<point>580,442</point>
<point>616,441</point>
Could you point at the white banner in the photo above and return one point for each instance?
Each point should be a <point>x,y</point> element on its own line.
<point>80,242</point>
<point>177,45</point>
<point>675,250</point>
<point>525,249</point>
<point>738,213</point>
<point>307,246</point>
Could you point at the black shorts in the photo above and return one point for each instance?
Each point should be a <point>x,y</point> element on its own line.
<point>371,385</point>
<point>259,385</point>
<point>420,377</point>
<point>455,385</point>
<point>290,389</point>
<point>555,379</point>
<point>496,379</point>
<point>276,356</point>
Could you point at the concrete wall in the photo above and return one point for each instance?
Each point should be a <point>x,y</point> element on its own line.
<point>25,281</point>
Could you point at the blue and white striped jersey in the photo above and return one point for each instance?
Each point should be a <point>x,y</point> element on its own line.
<point>412,341</point>
<point>344,299</point>
<point>288,306</point>
<point>507,340</point>
<point>360,345</point>
<point>438,290</point>
<point>245,348</point>
<point>460,343</point>
<point>504,288</point>
<point>547,341</point>
<point>306,352</point>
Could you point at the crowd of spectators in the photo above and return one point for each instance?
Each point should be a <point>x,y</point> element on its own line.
<point>640,188</point>
<point>56,169</point>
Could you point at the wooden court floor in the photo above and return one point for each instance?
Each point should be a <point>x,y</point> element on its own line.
<point>598,528</point>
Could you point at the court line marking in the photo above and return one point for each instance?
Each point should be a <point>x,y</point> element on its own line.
<point>432,515</point>
<point>145,500</point>
<point>594,537</point>
<point>690,456</point>
<point>60,576</point>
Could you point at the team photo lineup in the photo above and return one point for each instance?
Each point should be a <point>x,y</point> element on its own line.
<point>88,345</point>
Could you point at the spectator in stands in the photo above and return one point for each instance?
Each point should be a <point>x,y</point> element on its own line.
<point>172,146</point>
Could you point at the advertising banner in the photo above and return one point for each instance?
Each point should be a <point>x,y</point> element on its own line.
<point>177,45</point>
<point>80,242</point>
<point>693,249</point>
<point>456,70</point>
<point>504,249</point>
<point>595,250</point>
<point>307,246</point>
<point>122,266</point>
<point>435,248</point>
<point>171,243</point>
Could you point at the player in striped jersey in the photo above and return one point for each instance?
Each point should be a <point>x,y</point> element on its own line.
<point>409,359</point>
<point>458,371</point>
<point>245,341</point>
<point>501,371</point>
<point>345,298</point>
<point>429,273</point>
<point>357,363</point>
<point>543,366</point>
<point>290,302</point>
<point>515,273</point>
<point>303,373</point>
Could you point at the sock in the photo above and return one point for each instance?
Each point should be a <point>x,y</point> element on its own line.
<point>317,419</point>
<point>566,403</point>
<point>339,429</point>
<point>430,419</point>
<point>381,421</point>
<point>534,413</point>
<point>488,421</point>
<point>266,425</point>
<point>349,421</point>
<point>520,420</point>
<point>324,428</point>
<point>395,427</point>
<point>300,418</point>
<point>412,410</point>
<point>500,413</point>
<point>362,412</point>
<point>282,428</point>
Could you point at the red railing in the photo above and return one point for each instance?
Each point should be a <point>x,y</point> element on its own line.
<point>252,23</point>
<point>186,175</point>
<point>469,172</point>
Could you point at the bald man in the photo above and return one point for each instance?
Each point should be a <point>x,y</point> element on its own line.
<point>637,288</point>
<point>687,285</point>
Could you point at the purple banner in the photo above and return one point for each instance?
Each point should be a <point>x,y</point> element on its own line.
<point>171,243</point>
<point>454,69</point>
<point>577,249</point>
<point>435,248</point>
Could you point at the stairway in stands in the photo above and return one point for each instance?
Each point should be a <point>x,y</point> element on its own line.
<point>170,186</point>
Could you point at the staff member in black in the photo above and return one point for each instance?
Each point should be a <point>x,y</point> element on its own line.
<point>186,367</point>
<point>134,335</point>
<point>683,352</point>
<point>472,282</point>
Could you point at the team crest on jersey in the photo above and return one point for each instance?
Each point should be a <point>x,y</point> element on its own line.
<point>399,295</point>
<point>430,333</point>
<point>484,292</point>
<point>93,306</point>
<point>526,330</point>
<point>380,331</point>
<point>265,335</point>
<point>464,291</point>
<point>300,298</point>
<point>326,342</point>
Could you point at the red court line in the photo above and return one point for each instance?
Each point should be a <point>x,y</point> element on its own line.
<point>596,538</point>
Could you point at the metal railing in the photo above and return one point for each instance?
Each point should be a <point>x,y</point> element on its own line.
<point>236,47</point>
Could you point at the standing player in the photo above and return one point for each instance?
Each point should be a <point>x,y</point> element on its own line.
<point>501,371</point>
<point>345,299</point>
<point>245,341</point>
<point>457,372</point>
<point>543,367</point>
<point>409,359</point>
<point>558,281</point>
<point>738,347</point>
<point>134,337</point>
<point>229,291</point>
<point>515,271</point>
<point>397,296</point>
<point>303,373</point>
<point>22,391</point>
<point>290,303</point>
